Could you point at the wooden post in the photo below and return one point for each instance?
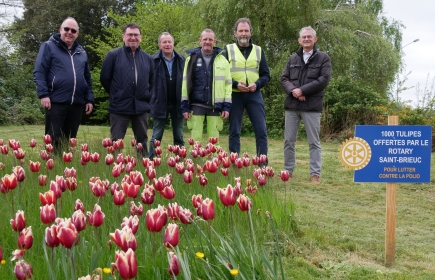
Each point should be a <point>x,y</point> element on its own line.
<point>390,217</point>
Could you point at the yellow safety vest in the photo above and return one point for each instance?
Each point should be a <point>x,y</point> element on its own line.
<point>244,70</point>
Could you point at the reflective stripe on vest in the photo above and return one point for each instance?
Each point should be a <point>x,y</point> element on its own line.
<point>244,69</point>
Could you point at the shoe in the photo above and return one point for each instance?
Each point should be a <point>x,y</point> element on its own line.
<point>315,179</point>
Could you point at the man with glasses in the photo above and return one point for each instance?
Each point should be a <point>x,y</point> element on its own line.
<point>166,100</point>
<point>304,78</point>
<point>63,83</point>
<point>127,76</point>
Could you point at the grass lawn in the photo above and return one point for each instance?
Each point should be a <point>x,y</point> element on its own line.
<point>340,225</point>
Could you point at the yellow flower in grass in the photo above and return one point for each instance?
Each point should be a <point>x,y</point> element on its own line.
<point>107,270</point>
<point>234,272</point>
<point>200,255</point>
<point>3,261</point>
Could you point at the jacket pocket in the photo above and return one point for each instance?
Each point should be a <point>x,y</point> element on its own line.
<point>313,71</point>
<point>294,71</point>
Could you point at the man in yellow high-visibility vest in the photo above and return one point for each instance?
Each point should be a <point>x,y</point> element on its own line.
<point>250,73</point>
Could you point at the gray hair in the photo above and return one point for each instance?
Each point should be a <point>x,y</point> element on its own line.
<point>309,28</point>
<point>165,33</point>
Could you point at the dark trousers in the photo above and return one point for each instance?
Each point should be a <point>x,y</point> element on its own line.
<point>159,127</point>
<point>254,105</point>
<point>139,125</point>
<point>62,122</point>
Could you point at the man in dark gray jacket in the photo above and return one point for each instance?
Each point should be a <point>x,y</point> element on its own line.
<point>166,99</point>
<point>304,78</point>
<point>127,76</point>
<point>63,83</point>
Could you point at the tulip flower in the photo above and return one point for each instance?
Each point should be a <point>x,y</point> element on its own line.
<point>158,151</point>
<point>47,198</point>
<point>67,233</point>
<point>34,166</point>
<point>42,180</point>
<point>119,197</point>
<point>136,210</point>
<point>284,175</point>
<point>244,202</point>
<point>207,209</point>
<point>106,142</point>
<point>96,218</point>
<point>56,189</point>
<point>124,238</point>
<point>51,238</point>
<point>73,142</point>
<point>49,148</point>
<point>48,213</point>
<point>23,270</point>
<point>78,205</point>
<point>227,195</point>
<point>261,180</point>
<point>255,160</point>
<point>238,162</point>
<point>173,209</point>
<point>126,264</point>
<point>188,177</point>
<point>269,172</point>
<point>148,194</point>
<point>78,218</point>
<point>117,169</point>
<point>71,183</point>
<point>168,192</point>
<point>86,157</point>
<point>251,189</point>
<point>15,145</point>
<point>9,182</point>
<point>185,216</point>
<point>174,264</point>
<point>233,157</point>
<point>182,152</point>
<point>137,178</point>
<point>197,200</point>
<point>203,181</point>
<point>130,189</point>
<point>118,144</point>
<point>225,171</point>
<point>49,164</point>
<point>61,182</point>
<point>156,218</point>
<point>19,173</point>
<point>95,157</point>
<point>67,157</point>
<point>47,139</point>
<point>18,254</point>
<point>151,173</point>
<point>4,149</point>
<point>172,236</point>
<point>109,159</point>
<point>131,222</point>
<point>85,147</point>
<point>18,223</point>
<point>25,239</point>
<point>211,165</point>
<point>211,148</point>
<point>70,172</point>
<point>97,188</point>
<point>2,142</point>
<point>32,143</point>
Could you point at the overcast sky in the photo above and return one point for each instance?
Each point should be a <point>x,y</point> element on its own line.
<point>418,16</point>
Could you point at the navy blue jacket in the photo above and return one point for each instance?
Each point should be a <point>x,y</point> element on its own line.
<point>118,79</point>
<point>159,96</point>
<point>63,75</point>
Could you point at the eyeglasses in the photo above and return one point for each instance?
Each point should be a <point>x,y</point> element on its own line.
<point>131,35</point>
<point>67,29</point>
<point>307,37</point>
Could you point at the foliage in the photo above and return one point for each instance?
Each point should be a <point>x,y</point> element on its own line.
<point>232,240</point>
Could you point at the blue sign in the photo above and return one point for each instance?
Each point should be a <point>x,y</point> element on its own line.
<point>391,154</point>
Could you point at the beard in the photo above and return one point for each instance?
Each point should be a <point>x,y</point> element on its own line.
<point>244,41</point>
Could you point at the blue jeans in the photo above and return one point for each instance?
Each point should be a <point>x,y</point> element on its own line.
<point>254,105</point>
<point>159,125</point>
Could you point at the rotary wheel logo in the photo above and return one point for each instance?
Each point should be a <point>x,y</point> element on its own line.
<point>355,153</point>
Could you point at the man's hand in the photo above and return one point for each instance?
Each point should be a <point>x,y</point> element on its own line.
<point>297,92</point>
<point>225,114</point>
<point>242,87</point>
<point>46,103</point>
<point>252,87</point>
<point>186,115</point>
<point>89,108</point>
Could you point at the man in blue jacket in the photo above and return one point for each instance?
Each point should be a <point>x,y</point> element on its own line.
<point>166,99</point>
<point>127,76</point>
<point>63,83</point>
